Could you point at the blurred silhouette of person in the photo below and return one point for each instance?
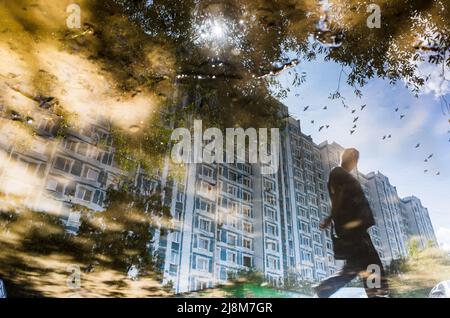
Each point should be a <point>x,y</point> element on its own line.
<point>351,217</point>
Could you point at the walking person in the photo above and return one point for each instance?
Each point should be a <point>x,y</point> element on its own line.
<point>351,217</point>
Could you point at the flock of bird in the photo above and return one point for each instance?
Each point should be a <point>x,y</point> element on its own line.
<point>385,137</point>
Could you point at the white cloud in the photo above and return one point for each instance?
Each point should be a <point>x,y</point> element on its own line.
<point>443,237</point>
<point>436,83</point>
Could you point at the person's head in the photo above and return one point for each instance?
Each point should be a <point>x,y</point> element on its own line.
<point>349,159</point>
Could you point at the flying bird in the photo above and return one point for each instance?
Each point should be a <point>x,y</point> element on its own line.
<point>418,145</point>
<point>321,127</point>
<point>328,126</point>
<point>355,120</point>
<point>438,174</point>
<point>363,106</point>
<point>390,136</point>
<point>430,156</point>
<point>352,132</point>
<point>305,109</point>
<point>402,116</point>
<point>384,137</point>
<point>353,111</point>
<point>354,126</point>
<point>425,171</point>
<point>396,110</point>
<point>312,121</point>
<point>325,108</point>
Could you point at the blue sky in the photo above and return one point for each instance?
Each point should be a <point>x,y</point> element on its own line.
<point>424,123</point>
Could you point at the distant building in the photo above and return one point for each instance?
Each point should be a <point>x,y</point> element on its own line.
<point>419,226</point>
<point>387,206</point>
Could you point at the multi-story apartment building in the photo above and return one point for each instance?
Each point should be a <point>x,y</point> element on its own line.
<point>387,205</point>
<point>418,222</point>
<point>227,219</point>
<point>308,250</point>
<point>61,171</point>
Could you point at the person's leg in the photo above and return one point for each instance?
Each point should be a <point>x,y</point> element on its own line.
<point>374,278</point>
<point>333,283</point>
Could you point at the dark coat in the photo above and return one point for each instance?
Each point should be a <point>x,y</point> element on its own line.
<point>350,209</point>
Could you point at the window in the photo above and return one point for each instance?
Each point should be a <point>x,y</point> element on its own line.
<point>329,245</point>
<point>232,176</point>
<point>247,261</point>
<point>306,256</point>
<point>202,264</point>
<point>176,237</point>
<point>317,238</point>
<point>231,190</point>
<point>246,181</point>
<point>272,262</point>
<point>247,227</point>
<point>204,206</point>
<point>84,194</point>
<point>270,198</point>
<point>206,188</point>
<point>315,213</point>
<point>231,239</point>
<point>306,241</point>
<point>62,164</point>
<point>272,246</point>
<point>77,167</point>
<point>231,221</point>
<point>331,259</point>
<point>307,273</point>
<point>270,213</point>
<point>233,207</point>
<point>246,196</point>
<point>269,185</point>
<point>299,198</point>
<point>70,145</point>
<point>271,229</point>
<point>174,257</point>
<point>315,225</point>
<point>70,189</point>
<point>299,186</point>
<point>82,149</point>
<point>313,200</point>
<point>52,185</point>
<point>98,197</point>
<point>231,257</point>
<point>247,243</point>
<point>320,266</point>
<point>246,211</point>
<point>203,243</point>
<point>91,174</point>
<point>304,227</point>
<point>204,225</point>
<point>318,250</point>
<point>207,172</point>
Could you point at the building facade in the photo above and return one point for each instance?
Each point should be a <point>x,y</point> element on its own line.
<point>418,222</point>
